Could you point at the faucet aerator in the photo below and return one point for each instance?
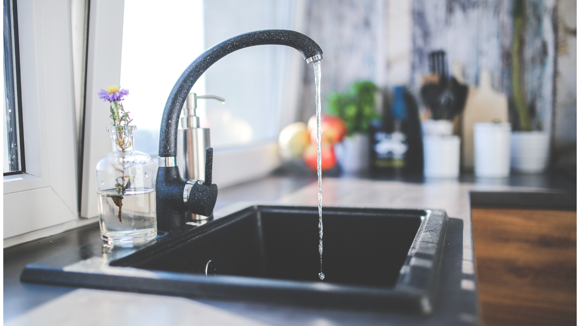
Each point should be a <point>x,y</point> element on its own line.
<point>314,59</point>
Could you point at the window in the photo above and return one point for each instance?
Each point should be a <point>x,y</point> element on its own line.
<point>62,121</point>
<point>260,84</point>
<point>248,79</point>
<point>145,47</point>
<point>155,52</point>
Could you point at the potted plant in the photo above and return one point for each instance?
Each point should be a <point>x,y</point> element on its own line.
<point>529,148</point>
<point>356,108</point>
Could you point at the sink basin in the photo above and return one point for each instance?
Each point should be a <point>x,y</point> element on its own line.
<point>373,258</point>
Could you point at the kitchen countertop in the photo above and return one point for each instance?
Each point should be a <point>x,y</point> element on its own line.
<point>457,302</point>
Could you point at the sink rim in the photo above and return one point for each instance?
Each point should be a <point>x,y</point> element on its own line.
<point>414,290</point>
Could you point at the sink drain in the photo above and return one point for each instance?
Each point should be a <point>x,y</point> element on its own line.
<point>210,269</point>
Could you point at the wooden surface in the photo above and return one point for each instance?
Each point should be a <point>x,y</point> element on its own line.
<point>526,265</point>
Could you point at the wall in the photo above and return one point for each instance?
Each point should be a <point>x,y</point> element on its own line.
<point>565,129</point>
<point>349,33</point>
<point>388,42</point>
<point>477,34</point>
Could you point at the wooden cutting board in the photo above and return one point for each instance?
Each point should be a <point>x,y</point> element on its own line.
<point>483,104</point>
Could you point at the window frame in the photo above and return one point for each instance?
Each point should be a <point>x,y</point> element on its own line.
<point>104,46</point>
<point>44,200</point>
<point>15,103</point>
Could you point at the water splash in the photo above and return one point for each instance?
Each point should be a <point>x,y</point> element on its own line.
<point>317,75</point>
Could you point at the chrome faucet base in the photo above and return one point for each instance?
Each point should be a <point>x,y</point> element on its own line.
<point>167,162</point>
<point>197,217</point>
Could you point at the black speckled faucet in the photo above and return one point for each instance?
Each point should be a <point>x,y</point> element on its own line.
<point>174,194</point>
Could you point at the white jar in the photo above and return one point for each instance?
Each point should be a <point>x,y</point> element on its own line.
<point>492,149</point>
<point>441,156</point>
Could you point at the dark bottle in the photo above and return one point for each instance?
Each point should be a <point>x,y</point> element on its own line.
<point>395,140</point>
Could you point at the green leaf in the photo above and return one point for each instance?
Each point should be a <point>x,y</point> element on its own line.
<point>116,199</point>
<point>356,106</point>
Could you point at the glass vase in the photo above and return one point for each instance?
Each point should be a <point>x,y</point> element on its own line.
<point>126,188</point>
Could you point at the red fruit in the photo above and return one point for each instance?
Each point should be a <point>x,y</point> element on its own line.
<point>327,157</point>
<point>333,129</point>
<point>327,137</point>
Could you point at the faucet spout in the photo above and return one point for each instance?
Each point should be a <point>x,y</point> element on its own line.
<point>168,133</point>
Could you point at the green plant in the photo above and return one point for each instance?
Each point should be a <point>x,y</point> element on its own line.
<point>356,107</point>
<point>519,99</point>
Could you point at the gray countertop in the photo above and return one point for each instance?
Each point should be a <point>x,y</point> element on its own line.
<point>457,304</point>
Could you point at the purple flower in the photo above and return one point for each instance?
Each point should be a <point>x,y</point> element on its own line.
<point>113,94</point>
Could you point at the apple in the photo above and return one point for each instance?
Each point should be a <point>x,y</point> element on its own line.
<point>293,140</point>
<point>332,129</point>
<point>327,157</point>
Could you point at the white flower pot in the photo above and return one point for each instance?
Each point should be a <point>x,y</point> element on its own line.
<point>530,151</point>
<point>353,153</point>
<point>492,149</point>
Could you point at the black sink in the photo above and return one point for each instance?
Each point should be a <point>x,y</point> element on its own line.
<point>373,258</point>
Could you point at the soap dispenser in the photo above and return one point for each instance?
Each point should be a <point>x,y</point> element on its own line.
<point>192,141</point>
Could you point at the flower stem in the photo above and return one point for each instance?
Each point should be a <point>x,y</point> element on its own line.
<point>121,197</point>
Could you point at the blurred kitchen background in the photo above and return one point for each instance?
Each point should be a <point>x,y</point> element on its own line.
<point>416,52</point>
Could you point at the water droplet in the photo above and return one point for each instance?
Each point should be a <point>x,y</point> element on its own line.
<point>102,183</point>
<point>146,175</point>
<point>321,275</point>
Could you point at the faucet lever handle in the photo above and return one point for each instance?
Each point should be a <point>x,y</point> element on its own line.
<point>208,165</point>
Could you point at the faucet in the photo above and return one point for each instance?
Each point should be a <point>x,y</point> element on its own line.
<point>175,195</point>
